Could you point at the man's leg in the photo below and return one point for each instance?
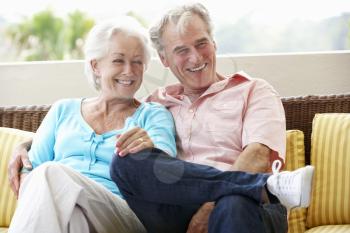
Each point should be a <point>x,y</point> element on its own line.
<point>162,217</point>
<point>153,182</point>
<point>239,214</point>
<point>274,218</point>
<point>154,176</point>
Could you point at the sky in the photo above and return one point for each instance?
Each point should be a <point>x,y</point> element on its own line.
<point>262,11</point>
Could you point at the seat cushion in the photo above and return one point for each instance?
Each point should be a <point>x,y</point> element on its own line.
<point>330,229</point>
<point>295,158</point>
<point>9,138</point>
<point>330,154</point>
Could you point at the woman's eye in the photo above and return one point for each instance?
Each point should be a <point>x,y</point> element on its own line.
<point>138,62</point>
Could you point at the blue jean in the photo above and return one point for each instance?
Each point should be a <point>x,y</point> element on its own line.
<point>165,193</point>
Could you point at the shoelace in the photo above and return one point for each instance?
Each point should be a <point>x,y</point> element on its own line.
<point>276,166</point>
<point>287,181</point>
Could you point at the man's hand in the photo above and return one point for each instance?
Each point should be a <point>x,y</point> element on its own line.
<point>199,221</point>
<point>133,141</point>
<point>19,159</point>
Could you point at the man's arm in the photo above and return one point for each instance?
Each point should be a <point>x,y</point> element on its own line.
<point>19,159</point>
<point>254,158</point>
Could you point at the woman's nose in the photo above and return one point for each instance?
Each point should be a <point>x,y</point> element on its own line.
<point>127,68</point>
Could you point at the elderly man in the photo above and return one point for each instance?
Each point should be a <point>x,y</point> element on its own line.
<point>232,123</point>
<point>229,130</point>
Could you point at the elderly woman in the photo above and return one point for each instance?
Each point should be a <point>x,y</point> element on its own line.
<point>70,188</point>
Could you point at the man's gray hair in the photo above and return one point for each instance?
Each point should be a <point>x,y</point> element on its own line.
<point>96,44</point>
<point>179,16</point>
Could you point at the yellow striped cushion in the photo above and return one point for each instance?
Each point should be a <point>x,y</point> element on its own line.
<point>330,229</point>
<point>3,230</point>
<point>330,154</point>
<point>295,158</point>
<point>9,138</point>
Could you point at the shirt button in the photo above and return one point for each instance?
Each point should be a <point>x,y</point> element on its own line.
<point>191,110</point>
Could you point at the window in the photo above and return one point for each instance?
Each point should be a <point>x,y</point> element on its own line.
<point>249,26</point>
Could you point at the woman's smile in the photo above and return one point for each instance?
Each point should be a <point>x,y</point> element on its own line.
<point>125,82</point>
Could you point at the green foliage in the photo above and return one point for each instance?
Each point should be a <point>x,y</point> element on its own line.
<point>78,26</point>
<point>348,35</point>
<point>48,37</point>
<point>139,18</point>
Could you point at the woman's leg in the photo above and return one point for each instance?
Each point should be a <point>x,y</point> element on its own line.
<point>79,223</point>
<point>51,193</point>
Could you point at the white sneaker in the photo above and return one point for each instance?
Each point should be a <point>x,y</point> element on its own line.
<point>292,188</point>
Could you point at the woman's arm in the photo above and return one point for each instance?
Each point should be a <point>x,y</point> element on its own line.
<point>156,130</point>
<point>19,160</point>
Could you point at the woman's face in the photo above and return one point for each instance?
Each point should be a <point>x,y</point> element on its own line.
<point>120,72</point>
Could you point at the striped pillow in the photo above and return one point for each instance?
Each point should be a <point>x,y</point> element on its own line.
<point>295,158</point>
<point>9,138</point>
<point>330,229</point>
<point>330,154</point>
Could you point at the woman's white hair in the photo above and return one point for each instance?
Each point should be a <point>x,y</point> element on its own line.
<point>96,43</point>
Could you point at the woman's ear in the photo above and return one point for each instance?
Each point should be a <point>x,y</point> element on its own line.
<point>95,68</point>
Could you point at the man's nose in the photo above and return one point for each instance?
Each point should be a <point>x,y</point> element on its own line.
<point>194,56</point>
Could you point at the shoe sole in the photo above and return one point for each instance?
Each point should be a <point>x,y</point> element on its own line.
<point>307,185</point>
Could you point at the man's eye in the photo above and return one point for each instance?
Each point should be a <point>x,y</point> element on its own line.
<point>182,51</point>
<point>118,61</point>
<point>202,44</point>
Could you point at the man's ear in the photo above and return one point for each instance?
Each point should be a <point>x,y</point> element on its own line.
<point>95,68</point>
<point>163,59</point>
<point>214,45</point>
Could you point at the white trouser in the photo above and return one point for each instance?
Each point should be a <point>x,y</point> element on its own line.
<point>56,199</point>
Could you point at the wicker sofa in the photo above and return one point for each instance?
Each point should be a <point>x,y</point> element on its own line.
<point>300,112</point>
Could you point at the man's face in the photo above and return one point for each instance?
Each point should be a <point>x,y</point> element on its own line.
<point>190,55</point>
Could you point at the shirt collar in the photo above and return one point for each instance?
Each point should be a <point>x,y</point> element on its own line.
<point>174,93</point>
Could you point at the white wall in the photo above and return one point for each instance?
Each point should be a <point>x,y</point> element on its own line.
<point>290,74</point>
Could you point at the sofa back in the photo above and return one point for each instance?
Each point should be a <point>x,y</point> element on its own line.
<point>299,111</point>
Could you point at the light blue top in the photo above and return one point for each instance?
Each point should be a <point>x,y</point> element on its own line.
<point>64,136</point>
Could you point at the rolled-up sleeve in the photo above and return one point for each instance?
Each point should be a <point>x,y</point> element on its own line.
<point>264,119</point>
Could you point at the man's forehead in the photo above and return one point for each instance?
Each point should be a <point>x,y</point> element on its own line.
<point>190,33</point>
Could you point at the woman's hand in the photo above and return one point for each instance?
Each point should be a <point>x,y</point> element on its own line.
<point>19,159</point>
<point>133,141</point>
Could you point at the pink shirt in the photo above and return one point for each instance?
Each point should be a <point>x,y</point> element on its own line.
<point>231,114</point>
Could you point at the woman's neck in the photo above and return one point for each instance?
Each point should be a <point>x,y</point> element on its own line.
<point>110,106</point>
<point>104,115</point>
